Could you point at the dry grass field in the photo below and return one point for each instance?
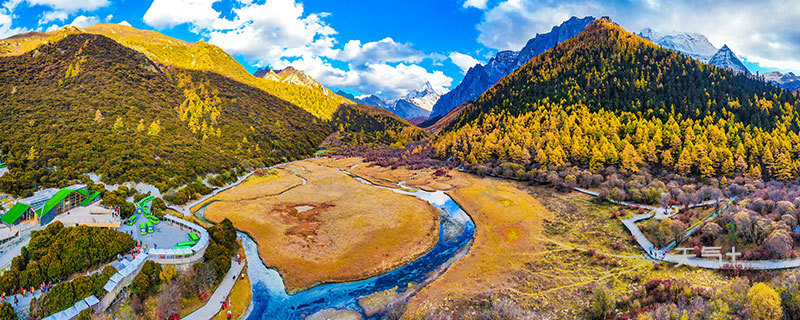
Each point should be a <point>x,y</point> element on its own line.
<point>507,236</point>
<point>424,179</point>
<point>331,229</point>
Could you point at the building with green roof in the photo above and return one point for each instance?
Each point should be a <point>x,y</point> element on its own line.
<point>44,205</point>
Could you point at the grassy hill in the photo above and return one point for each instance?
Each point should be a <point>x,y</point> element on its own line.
<point>609,98</point>
<point>88,104</point>
<point>198,56</point>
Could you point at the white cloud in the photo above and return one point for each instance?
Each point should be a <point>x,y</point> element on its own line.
<point>6,28</point>
<point>84,21</point>
<point>267,33</point>
<point>763,32</point>
<point>480,4</point>
<point>386,80</point>
<point>65,5</point>
<point>55,15</point>
<point>279,33</point>
<point>463,61</point>
<point>170,13</point>
<point>385,50</point>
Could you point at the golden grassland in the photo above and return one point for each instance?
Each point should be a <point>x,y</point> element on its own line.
<point>542,249</point>
<point>333,228</point>
<point>508,228</point>
<point>423,179</point>
<point>273,182</point>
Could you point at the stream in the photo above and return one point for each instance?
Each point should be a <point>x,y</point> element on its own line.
<point>270,300</point>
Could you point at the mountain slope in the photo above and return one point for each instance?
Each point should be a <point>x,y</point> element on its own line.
<point>192,56</point>
<point>788,81</point>
<point>480,78</point>
<point>609,98</point>
<point>88,104</point>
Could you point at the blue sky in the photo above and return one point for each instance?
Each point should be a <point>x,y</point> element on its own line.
<point>392,47</point>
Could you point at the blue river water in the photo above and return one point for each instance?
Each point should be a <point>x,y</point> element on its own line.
<point>270,300</point>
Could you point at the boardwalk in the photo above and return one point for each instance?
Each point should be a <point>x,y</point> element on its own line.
<point>691,260</point>
<point>215,302</point>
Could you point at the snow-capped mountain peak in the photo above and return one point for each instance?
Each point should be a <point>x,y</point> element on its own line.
<point>417,104</point>
<point>424,98</point>
<point>694,45</point>
<point>725,58</point>
<point>788,81</point>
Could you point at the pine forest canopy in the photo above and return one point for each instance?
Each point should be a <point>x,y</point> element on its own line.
<point>609,98</point>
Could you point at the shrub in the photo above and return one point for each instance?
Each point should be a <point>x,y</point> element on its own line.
<point>764,302</point>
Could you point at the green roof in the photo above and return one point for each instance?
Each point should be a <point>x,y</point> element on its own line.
<point>13,215</point>
<point>90,198</point>
<point>83,192</point>
<point>54,201</point>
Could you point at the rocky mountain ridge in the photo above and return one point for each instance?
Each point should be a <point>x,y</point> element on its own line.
<point>480,78</point>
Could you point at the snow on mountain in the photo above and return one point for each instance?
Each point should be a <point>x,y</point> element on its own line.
<point>694,45</point>
<point>480,78</point>
<point>293,76</point>
<point>424,98</point>
<point>788,81</point>
<point>416,104</point>
<point>725,58</point>
<point>698,47</point>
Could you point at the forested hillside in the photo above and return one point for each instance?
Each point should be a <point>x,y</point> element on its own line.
<point>88,104</point>
<point>361,124</point>
<point>609,98</point>
<point>199,56</point>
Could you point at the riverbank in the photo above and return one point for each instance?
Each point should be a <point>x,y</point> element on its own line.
<point>317,233</point>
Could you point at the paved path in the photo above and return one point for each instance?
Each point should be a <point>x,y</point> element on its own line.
<point>660,212</point>
<point>186,209</point>
<point>215,302</point>
<point>13,249</point>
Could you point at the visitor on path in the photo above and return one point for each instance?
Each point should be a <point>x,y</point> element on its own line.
<point>229,315</point>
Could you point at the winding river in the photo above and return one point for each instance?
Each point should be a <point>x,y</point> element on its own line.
<point>270,300</point>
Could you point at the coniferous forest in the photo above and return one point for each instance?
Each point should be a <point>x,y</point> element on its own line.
<point>609,98</point>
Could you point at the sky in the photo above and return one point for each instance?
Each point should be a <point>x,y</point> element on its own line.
<point>392,47</point>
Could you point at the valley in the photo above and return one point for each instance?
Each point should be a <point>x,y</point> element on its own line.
<point>473,160</point>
